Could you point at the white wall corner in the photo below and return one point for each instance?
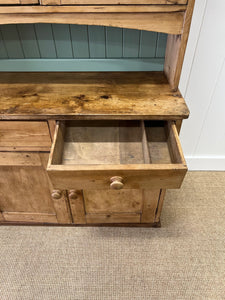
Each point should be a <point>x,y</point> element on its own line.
<point>206,163</point>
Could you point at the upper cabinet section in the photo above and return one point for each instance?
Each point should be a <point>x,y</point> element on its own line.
<point>18,2</point>
<point>112,2</point>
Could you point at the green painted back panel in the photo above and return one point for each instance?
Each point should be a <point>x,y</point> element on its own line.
<point>31,42</point>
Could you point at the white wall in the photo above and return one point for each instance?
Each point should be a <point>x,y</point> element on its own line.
<point>203,86</point>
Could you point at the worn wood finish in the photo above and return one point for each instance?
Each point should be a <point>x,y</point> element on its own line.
<point>99,142</point>
<point>89,96</point>
<point>143,225</point>
<point>29,217</point>
<point>9,2</point>
<point>60,202</point>
<point>51,126</point>
<point>160,205</point>
<point>104,201</point>
<point>62,208</point>
<point>170,22</point>
<point>76,201</point>
<point>18,2</point>
<point>81,172</point>
<point>111,2</point>
<point>178,125</point>
<point>158,144</point>
<point>29,2</point>
<point>24,184</point>
<point>135,176</point>
<point>25,189</point>
<point>1,217</point>
<point>24,136</point>
<point>176,46</point>
<point>139,157</point>
<point>174,144</point>
<point>145,146</point>
<point>113,218</point>
<point>19,159</point>
<point>150,204</point>
<point>93,9</point>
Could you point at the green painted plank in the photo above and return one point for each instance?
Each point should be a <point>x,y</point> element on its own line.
<point>80,65</point>
<point>148,41</point>
<point>3,52</point>
<point>28,40</point>
<point>61,35</point>
<point>45,40</point>
<point>114,42</point>
<point>96,35</point>
<point>161,45</point>
<point>12,41</point>
<point>131,40</point>
<point>79,36</point>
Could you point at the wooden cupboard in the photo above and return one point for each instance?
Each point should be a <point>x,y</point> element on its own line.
<point>111,139</point>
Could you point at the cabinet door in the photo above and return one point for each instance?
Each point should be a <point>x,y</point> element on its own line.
<point>115,206</point>
<point>25,194</point>
<point>18,2</point>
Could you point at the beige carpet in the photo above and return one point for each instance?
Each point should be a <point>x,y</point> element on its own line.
<point>185,259</point>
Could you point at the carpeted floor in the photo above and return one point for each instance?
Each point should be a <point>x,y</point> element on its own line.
<point>185,259</point>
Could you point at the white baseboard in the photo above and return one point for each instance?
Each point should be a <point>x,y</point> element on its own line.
<point>206,163</point>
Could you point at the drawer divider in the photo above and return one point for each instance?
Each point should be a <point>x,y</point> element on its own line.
<point>145,148</point>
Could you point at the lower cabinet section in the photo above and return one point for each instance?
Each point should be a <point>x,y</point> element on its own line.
<point>26,196</point>
<point>25,191</point>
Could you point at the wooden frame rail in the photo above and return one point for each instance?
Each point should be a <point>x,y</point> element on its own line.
<point>166,19</point>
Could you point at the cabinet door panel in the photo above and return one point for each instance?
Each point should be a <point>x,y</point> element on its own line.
<point>104,201</point>
<point>114,207</point>
<point>25,190</point>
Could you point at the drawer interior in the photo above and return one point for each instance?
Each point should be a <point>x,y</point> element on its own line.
<point>113,142</point>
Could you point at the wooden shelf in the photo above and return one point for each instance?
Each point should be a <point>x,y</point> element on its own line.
<point>125,95</point>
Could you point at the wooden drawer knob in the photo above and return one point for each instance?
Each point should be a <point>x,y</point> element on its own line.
<point>116,183</point>
<point>73,194</point>
<point>56,194</point>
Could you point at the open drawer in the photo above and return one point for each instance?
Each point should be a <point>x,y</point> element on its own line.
<point>116,154</point>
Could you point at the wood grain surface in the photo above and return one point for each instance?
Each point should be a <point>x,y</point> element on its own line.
<point>24,136</point>
<point>118,2</point>
<point>125,95</point>
<point>161,19</point>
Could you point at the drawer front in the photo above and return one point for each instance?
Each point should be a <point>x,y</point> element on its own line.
<point>112,2</point>
<point>116,155</point>
<point>18,2</point>
<point>24,136</point>
<point>131,179</point>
